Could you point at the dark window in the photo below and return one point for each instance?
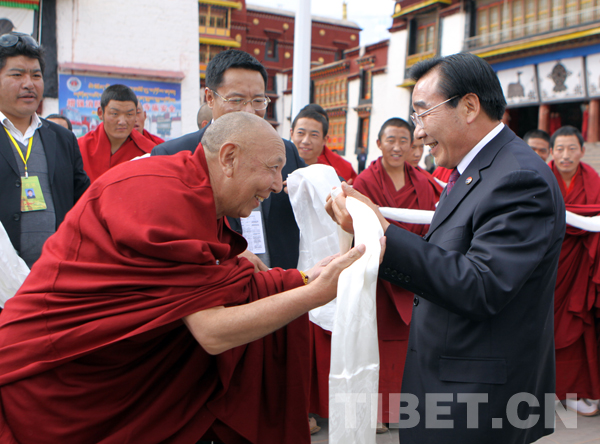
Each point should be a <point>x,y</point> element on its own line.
<point>271,52</point>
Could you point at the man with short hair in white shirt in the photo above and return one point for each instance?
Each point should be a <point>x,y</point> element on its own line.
<point>41,171</point>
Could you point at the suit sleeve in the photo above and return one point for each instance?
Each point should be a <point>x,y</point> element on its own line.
<point>81,181</point>
<point>188,142</point>
<point>511,229</point>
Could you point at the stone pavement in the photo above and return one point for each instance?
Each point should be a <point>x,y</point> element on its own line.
<point>587,431</point>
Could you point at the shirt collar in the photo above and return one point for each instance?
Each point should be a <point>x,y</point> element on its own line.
<point>464,163</point>
<point>34,125</point>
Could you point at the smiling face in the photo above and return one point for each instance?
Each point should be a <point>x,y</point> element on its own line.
<point>257,173</point>
<point>308,137</point>
<point>21,88</point>
<point>415,153</point>
<point>444,127</point>
<point>119,118</point>
<point>394,146</point>
<point>567,154</point>
<point>237,83</point>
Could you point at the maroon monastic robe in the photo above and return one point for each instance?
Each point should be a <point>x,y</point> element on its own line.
<point>342,167</point>
<point>93,348</point>
<point>154,139</point>
<point>96,155</point>
<point>394,304</point>
<point>442,173</point>
<point>576,293</point>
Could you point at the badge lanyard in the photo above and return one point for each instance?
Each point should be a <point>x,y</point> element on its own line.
<point>26,158</point>
<point>32,196</point>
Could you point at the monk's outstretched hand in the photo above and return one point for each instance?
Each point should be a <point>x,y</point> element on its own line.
<point>325,285</point>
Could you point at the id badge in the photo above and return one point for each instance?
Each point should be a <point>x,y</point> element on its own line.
<point>32,198</point>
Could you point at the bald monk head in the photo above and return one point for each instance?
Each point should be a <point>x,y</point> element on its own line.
<point>204,116</point>
<point>245,156</point>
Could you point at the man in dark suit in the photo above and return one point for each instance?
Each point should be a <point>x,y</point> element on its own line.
<point>480,363</point>
<point>34,153</point>
<point>236,81</point>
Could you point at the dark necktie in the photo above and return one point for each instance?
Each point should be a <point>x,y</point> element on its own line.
<point>452,180</point>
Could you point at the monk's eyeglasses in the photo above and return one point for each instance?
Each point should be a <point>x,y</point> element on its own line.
<point>11,39</point>
<point>238,103</point>
<point>416,118</point>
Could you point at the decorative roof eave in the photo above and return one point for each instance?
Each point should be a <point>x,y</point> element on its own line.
<point>381,44</point>
<point>529,44</point>
<point>329,69</point>
<point>363,110</point>
<point>336,111</point>
<point>366,60</point>
<point>418,6</point>
<point>225,3</point>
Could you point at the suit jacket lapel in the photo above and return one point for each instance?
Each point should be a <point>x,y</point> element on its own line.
<point>460,190</point>
<point>48,139</point>
<point>7,151</point>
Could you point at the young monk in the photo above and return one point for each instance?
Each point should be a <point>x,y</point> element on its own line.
<point>114,141</point>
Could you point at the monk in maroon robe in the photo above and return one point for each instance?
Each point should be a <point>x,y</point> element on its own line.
<point>140,122</point>
<point>576,300</point>
<point>114,141</point>
<point>96,151</point>
<point>390,181</point>
<point>152,138</point>
<point>442,173</point>
<point>309,134</point>
<point>140,323</point>
<point>342,167</point>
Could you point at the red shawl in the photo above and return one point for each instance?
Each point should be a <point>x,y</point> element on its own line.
<point>154,139</point>
<point>342,167</point>
<point>576,291</point>
<point>442,173</point>
<point>93,349</point>
<point>95,151</point>
<point>417,193</point>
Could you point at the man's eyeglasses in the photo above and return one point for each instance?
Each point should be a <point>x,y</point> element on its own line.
<point>416,118</point>
<point>8,40</point>
<point>238,103</point>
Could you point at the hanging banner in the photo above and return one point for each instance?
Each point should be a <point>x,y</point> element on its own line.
<point>19,19</point>
<point>561,80</point>
<point>592,64</point>
<point>79,100</point>
<point>519,85</point>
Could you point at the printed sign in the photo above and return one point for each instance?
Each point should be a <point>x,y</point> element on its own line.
<point>79,100</point>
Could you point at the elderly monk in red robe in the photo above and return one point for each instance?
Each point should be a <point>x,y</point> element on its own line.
<point>309,134</point>
<point>140,323</point>
<point>389,181</point>
<point>576,300</point>
<point>140,122</point>
<point>114,141</point>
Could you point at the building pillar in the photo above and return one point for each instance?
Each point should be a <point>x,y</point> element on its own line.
<point>593,121</point>
<point>544,118</point>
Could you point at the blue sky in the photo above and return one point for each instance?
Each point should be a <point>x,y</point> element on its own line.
<point>373,16</point>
